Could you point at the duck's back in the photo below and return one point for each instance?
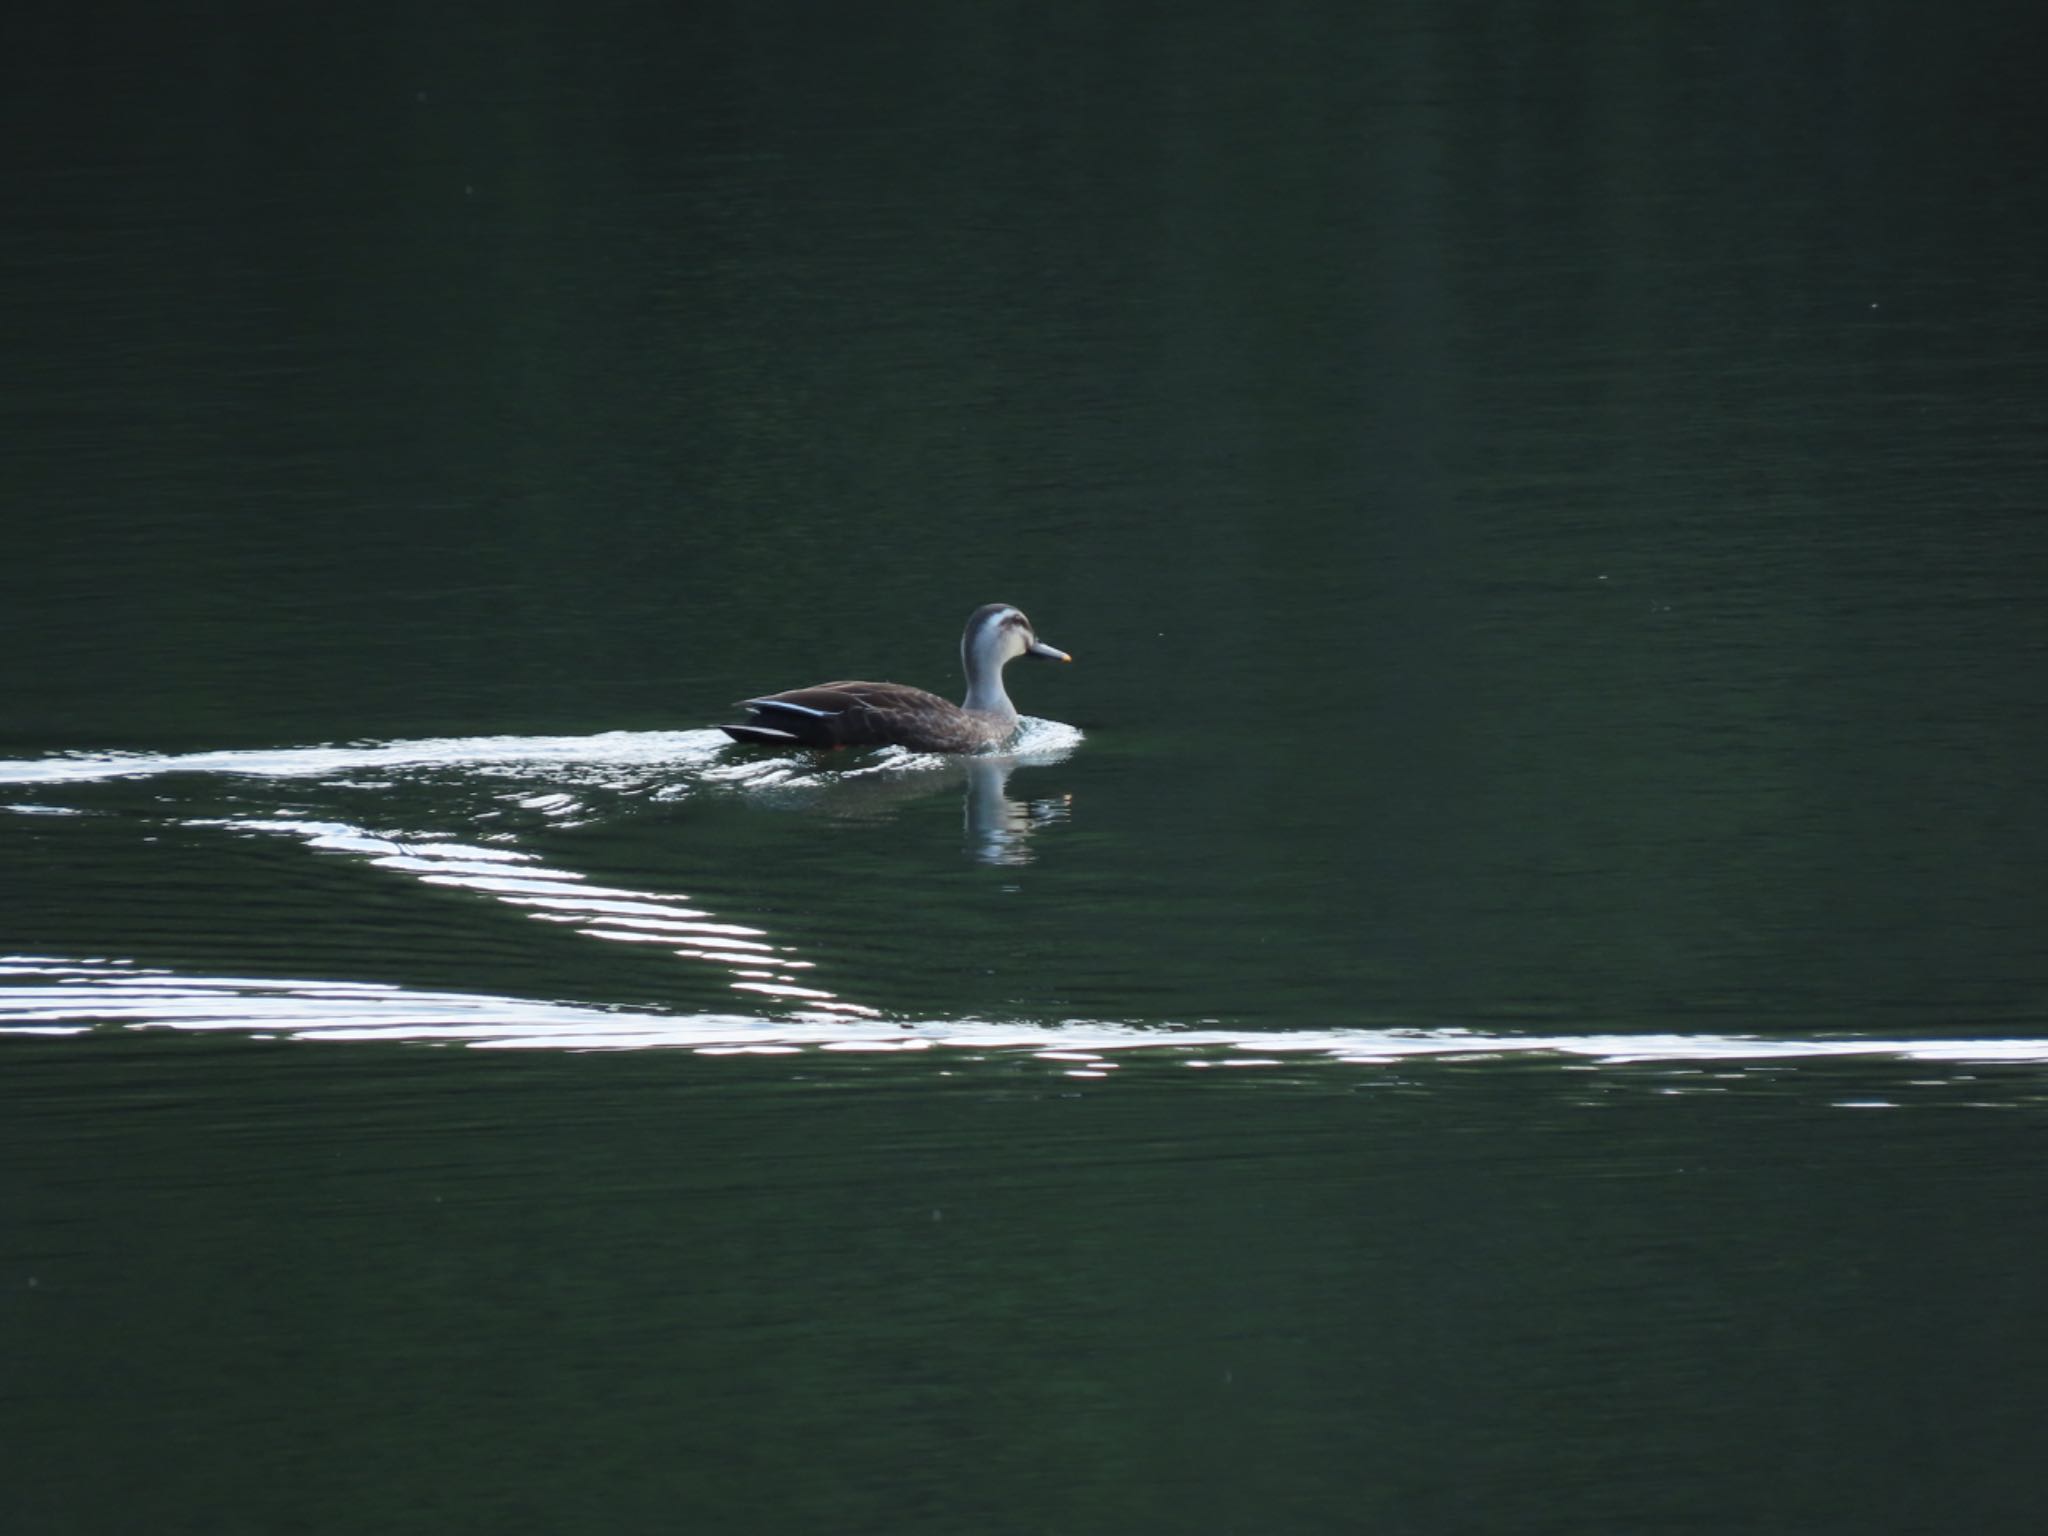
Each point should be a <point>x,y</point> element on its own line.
<point>862,714</point>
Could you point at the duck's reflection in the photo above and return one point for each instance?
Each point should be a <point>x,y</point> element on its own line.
<point>997,827</point>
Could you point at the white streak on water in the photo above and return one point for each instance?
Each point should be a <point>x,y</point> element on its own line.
<point>44,995</point>
<point>1036,741</point>
<point>624,749</point>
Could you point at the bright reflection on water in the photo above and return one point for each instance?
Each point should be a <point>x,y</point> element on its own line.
<point>560,896</point>
<point>495,786</point>
<point>600,758</point>
<point>48,996</point>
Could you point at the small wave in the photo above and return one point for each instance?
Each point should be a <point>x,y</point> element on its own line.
<point>48,995</point>
<point>1043,741</point>
<point>1037,741</point>
<point>759,965</point>
<point>614,749</point>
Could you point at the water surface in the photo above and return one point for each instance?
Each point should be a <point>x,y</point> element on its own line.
<point>1504,990</point>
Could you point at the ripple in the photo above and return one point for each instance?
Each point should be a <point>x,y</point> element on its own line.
<point>623,914</point>
<point>638,749</point>
<point>49,995</point>
<point>1037,741</point>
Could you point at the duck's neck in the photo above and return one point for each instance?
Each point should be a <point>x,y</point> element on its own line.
<point>985,693</point>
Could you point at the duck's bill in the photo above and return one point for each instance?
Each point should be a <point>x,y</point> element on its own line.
<point>1040,648</point>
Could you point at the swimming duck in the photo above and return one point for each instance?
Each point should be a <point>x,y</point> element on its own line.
<point>892,714</point>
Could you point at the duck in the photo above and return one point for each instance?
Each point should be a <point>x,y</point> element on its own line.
<point>857,714</point>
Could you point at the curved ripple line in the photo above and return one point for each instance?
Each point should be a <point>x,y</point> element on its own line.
<point>42,995</point>
<point>552,895</point>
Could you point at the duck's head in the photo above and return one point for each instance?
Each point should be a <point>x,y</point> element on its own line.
<point>997,634</point>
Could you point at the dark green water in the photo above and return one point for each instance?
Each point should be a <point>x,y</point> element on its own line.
<point>1504,990</point>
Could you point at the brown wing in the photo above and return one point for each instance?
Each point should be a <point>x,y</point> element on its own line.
<point>847,714</point>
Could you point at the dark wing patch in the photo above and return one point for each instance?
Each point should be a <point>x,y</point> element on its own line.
<point>845,714</point>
